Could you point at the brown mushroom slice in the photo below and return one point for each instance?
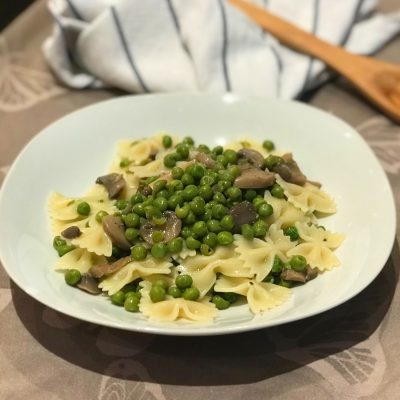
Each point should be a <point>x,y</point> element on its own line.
<point>289,171</point>
<point>242,213</point>
<point>71,232</point>
<point>311,273</point>
<point>114,229</point>
<point>253,157</point>
<point>291,275</point>
<point>254,178</point>
<point>98,271</point>
<point>89,284</point>
<point>114,183</point>
<point>171,228</point>
<point>205,159</point>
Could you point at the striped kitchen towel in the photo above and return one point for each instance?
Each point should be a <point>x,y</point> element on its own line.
<point>145,46</point>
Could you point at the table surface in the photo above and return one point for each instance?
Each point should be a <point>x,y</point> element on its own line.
<point>350,352</point>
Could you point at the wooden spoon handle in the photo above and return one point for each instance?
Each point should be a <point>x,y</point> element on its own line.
<point>296,38</point>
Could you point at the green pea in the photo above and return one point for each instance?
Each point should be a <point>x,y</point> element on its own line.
<point>72,276</point>
<point>230,296</point>
<point>167,141</point>
<point>207,215</point>
<point>131,234</point>
<point>192,243</point>
<point>162,283</point>
<point>58,241</point>
<point>257,201</point>
<point>197,205</point>
<point>227,223</point>
<point>250,195</point>
<point>292,232</point>
<point>190,218</point>
<point>206,192</point>
<point>157,293</point>
<point>183,281</point>
<point>265,210</point>
<point>220,302</point>
<point>152,212</point>
<point>138,252</point>
<point>199,228</point>
<point>131,303</point>
<point>218,211</point>
<point>174,201</point>
<point>116,252</point>
<point>150,179</point>
<point>163,194</point>
<point>234,193</point>
<point>268,145</point>
<point>222,160</point>
<point>182,151</point>
<point>161,203</point>
<point>211,204</point>
<point>206,250</point>
<point>234,172</point>
<point>223,185</point>
<point>219,198</point>
<point>100,215</point>
<point>159,185</point>
<point>182,211</point>
<point>224,238</point>
<point>277,266</point>
<point>231,156</point>
<point>159,250</point>
<point>121,204</point>
<point>190,192</point>
<point>282,282</point>
<point>131,220</point>
<point>247,231</point>
<point>197,171</point>
<point>207,180</point>
<point>203,148</point>
<point>186,232</point>
<point>218,166</point>
<point>298,263</point>
<point>214,225</point>
<point>272,161</point>
<point>157,236</point>
<point>217,150</point>
<point>277,191</point>
<point>191,293</point>
<point>159,220</point>
<point>139,209</point>
<point>175,245</point>
<point>125,162</point>
<point>260,228</point>
<point>187,179</point>
<point>136,199</point>
<point>210,239</point>
<point>64,249</point>
<point>83,208</point>
<point>177,172</point>
<point>118,298</point>
<point>175,185</point>
<point>188,141</point>
<point>170,160</point>
<point>175,292</point>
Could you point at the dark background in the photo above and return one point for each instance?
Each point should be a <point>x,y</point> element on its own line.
<point>9,9</point>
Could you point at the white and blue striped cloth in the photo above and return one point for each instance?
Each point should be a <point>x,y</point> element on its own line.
<point>145,46</point>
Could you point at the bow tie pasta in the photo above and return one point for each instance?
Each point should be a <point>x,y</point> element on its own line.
<point>179,231</point>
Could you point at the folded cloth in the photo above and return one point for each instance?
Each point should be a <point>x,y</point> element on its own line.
<point>202,45</point>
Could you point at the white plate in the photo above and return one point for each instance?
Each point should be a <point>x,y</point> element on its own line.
<point>69,154</point>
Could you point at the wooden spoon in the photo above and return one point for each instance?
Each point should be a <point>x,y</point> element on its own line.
<point>379,81</point>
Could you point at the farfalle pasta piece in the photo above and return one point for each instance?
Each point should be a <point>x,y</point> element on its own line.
<point>133,271</point>
<point>94,239</point>
<point>175,309</point>
<point>313,233</point>
<point>260,296</point>
<point>317,254</point>
<point>284,213</point>
<point>79,259</point>
<point>153,168</point>
<point>309,198</point>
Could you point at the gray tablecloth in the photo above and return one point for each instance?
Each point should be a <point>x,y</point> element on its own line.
<point>350,352</point>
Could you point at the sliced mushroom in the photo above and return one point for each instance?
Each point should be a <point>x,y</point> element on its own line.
<point>205,159</point>
<point>253,157</point>
<point>98,271</point>
<point>171,228</point>
<point>89,284</point>
<point>290,171</point>
<point>145,190</point>
<point>114,183</point>
<point>311,273</point>
<point>243,213</point>
<point>114,229</point>
<point>254,178</point>
<point>71,232</point>
<point>291,275</point>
